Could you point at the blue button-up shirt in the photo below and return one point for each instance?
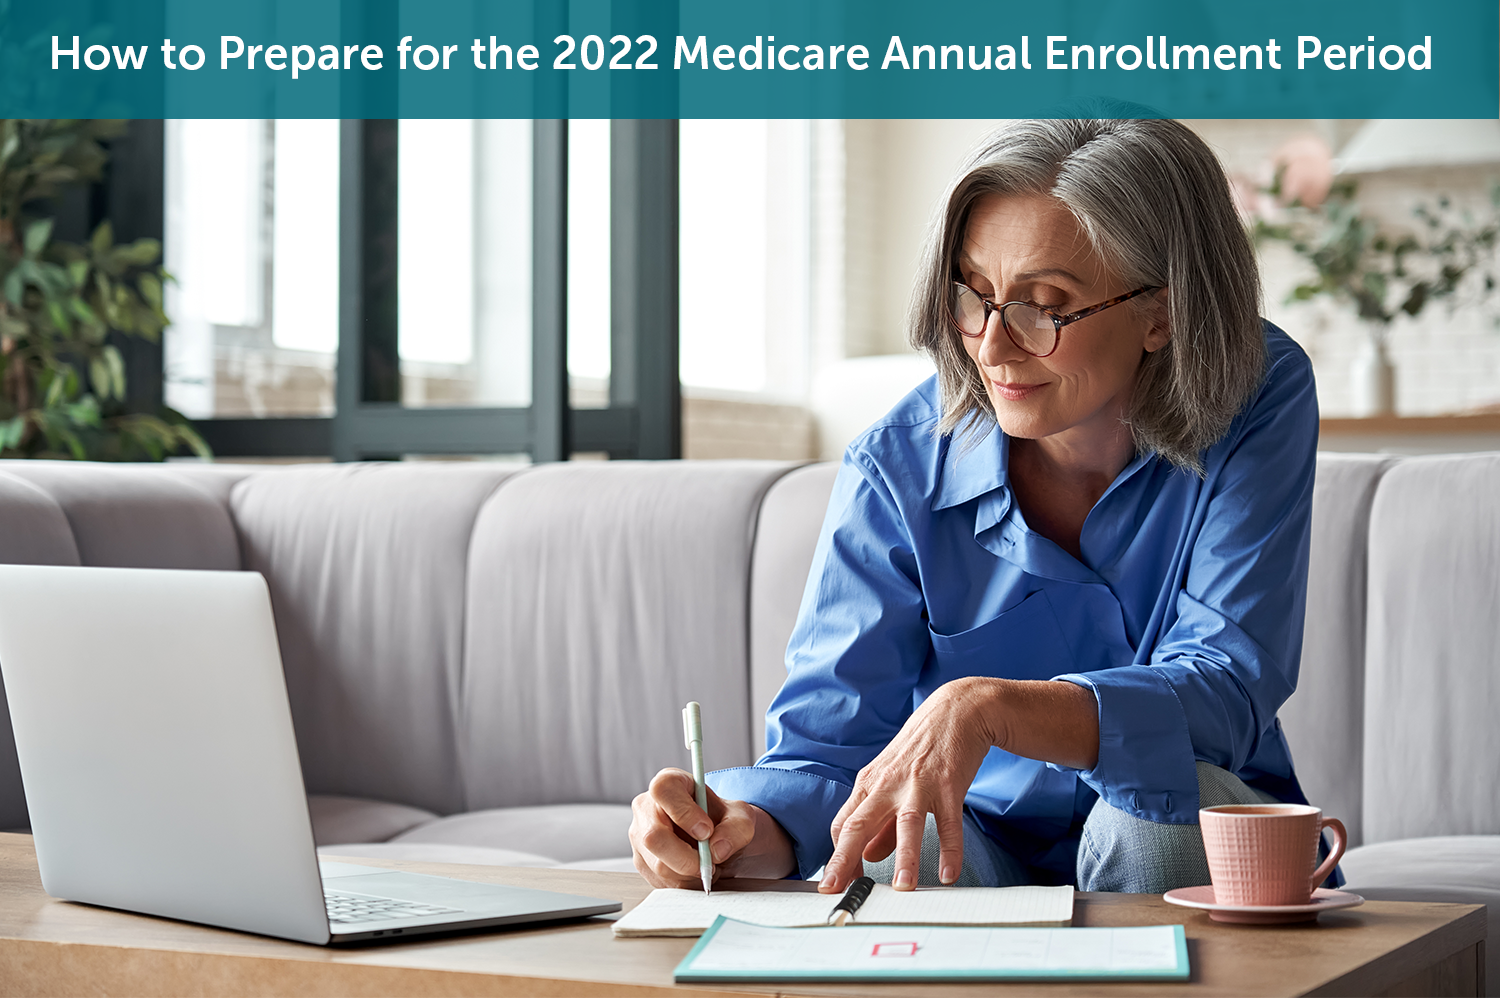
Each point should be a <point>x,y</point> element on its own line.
<point>1183,616</point>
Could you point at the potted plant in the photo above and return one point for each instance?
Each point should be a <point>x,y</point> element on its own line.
<point>1447,254</point>
<point>65,307</point>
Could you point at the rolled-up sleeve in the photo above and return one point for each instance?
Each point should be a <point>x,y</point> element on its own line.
<point>1218,673</point>
<point>853,662</point>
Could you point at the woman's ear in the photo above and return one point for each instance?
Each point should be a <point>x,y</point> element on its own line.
<point>1160,332</point>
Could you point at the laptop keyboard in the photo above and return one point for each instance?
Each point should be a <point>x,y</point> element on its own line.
<point>344,908</point>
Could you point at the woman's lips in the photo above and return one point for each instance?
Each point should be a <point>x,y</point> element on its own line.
<point>1013,392</point>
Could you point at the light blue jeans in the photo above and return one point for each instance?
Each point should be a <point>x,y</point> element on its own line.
<point>1118,852</point>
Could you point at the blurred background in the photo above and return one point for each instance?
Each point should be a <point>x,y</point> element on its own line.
<point>797,248</point>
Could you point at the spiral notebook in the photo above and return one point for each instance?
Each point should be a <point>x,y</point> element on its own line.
<point>676,912</point>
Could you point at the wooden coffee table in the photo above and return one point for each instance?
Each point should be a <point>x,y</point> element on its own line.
<point>50,947</point>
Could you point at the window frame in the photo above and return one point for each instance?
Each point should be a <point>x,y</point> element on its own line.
<point>644,417</point>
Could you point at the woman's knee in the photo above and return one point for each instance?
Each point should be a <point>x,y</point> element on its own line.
<point>1121,853</point>
<point>985,863</point>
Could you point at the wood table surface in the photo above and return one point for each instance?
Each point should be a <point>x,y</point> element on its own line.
<point>52,947</point>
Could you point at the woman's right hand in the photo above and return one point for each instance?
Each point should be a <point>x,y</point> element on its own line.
<point>667,824</point>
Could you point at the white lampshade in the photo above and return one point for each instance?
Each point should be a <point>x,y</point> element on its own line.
<point>1397,143</point>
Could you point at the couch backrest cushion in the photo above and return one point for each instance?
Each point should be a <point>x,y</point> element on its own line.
<point>790,519</point>
<point>124,516</point>
<point>1432,679</point>
<point>33,531</point>
<point>137,516</point>
<point>33,528</point>
<point>366,566</point>
<point>1324,719</point>
<point>601,598</point>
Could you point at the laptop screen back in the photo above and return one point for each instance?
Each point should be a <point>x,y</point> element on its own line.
<point>156,745</point>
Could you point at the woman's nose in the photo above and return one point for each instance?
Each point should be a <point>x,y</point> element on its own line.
<point>996,347</point>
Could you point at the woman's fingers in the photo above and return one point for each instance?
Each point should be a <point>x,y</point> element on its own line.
<point>910,823</point>
<point>925,769</point>
<point>665,824</point>
<point>662,856</point>
<point>844,865</point>
<point>882,845</point>
<point>666,818</point>
<point>851,804</point>
<point>950,828</point>
<point>674,792</point>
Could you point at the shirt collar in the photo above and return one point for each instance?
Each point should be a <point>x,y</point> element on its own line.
<point>978,462</point>
<point>974,464</point>
<point>977,467</point>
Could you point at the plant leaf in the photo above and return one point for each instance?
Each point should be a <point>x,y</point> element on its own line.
<point>60,320</point>
<point>150,288</point>
<point>81,309</point>
<point>37,235</point>
<point>99,377</point>
<point>141,253</point>
<point>103,238</point>
<point>116,365</point>
<point>11,432</point>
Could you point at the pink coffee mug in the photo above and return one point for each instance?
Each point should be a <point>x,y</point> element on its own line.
<point>1263,854</point>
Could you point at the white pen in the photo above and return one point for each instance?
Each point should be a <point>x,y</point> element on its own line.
<point>692,733</point>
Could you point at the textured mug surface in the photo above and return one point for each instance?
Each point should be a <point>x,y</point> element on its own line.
<point>1264,854</point>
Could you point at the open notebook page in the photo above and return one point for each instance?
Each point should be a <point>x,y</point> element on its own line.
<point>677,912</point>
<point>968,906</point>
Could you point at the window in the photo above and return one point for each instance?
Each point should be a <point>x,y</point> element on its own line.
<point>377,289</point>
<point>590,288</point>
<point>746,260</point>
<point>464,263</point>
<point>252,240</point>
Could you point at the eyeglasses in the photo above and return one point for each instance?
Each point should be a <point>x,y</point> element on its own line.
<point>1034,329</point>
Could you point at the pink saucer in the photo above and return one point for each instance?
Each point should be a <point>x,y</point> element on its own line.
<point>1250,914</point>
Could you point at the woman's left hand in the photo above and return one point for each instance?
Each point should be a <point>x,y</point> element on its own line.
<point>927,768</point>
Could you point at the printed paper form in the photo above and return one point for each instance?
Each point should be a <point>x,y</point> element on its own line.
<point>877,952</point>
<point>677,912</point>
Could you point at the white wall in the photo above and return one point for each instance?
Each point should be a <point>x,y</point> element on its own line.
<point>896,172</point>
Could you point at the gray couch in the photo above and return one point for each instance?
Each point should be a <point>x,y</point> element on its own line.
<point>486,663</point>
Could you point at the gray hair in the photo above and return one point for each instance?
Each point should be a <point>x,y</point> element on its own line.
<point>1155,205</point>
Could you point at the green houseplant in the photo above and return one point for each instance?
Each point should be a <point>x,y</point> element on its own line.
<point>64,308</point>
<point>1447,254</point>
<point>1379,273</point>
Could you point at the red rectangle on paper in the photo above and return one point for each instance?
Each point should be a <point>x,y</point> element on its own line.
<point>894,949</point>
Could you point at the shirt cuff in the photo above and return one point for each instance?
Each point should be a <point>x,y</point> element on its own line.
<point>1146,764</point>
<point>803,804</point>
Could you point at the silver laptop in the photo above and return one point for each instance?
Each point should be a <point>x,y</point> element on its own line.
<point>161,771</point>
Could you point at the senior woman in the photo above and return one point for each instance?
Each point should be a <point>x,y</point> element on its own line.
<point>1058,596</point>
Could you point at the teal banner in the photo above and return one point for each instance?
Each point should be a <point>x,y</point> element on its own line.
<point>717,59</point>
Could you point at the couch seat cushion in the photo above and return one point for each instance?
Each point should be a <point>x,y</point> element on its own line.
<point>620,864</point>
<point>1463,869</point>
<point>433,852</point>
<point>564,832</point>
<point>354,819</point>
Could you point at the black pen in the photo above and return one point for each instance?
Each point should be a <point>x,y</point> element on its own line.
<point>855,896</point>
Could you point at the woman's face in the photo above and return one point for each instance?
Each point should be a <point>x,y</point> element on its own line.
<point>1032,249</point>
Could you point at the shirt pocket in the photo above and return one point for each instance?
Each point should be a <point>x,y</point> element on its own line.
<point>1024,642</point>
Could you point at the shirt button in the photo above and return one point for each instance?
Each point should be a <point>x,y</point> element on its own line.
<point>1166,802</point>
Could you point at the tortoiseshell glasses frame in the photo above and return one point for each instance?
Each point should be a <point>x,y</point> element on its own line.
<point>970,312</point>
